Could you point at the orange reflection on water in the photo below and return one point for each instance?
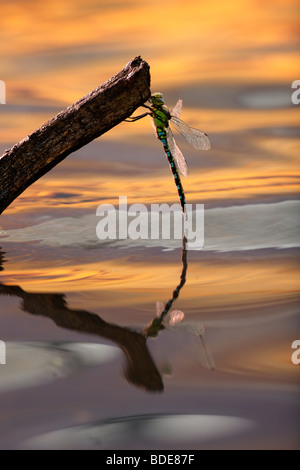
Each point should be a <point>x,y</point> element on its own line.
<point>233,283</point>
<point>215,185</point>
<point>184,42</point>
<point>18,125</point>
<point>200,187</point>
<point>117,282</point>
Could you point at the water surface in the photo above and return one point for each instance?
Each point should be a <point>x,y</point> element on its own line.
<point>79,371</point>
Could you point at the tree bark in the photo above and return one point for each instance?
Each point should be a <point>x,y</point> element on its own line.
<point>79,124</point>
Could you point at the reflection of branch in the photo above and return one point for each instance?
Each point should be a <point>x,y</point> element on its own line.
<point>140,368</point>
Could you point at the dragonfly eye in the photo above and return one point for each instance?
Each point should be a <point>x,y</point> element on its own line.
<point>157,99</point>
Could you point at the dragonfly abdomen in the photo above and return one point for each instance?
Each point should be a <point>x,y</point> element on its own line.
<point>162,136</point>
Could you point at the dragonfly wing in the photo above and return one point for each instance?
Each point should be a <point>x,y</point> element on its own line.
<point>206,358</point>
<point>195,328</point>
<point>159,308</point>
<point>153,124</point>
<point>176,111</point>
<point>177,154</point>
<point>172,318</point>
<point>198,139</point>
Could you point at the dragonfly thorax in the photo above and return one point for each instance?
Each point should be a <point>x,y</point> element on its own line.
<point>160,112</point>
<point>161,117</point>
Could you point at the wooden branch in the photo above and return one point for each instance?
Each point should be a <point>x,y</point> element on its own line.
<point>79,124</point>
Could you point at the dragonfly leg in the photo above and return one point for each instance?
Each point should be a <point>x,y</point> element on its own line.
<point>146,106</point>
<point>210,362</point>
<point>136,118</point>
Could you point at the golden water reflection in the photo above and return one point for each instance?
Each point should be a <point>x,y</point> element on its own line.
<point>211,283</point>
<point>243,40</point>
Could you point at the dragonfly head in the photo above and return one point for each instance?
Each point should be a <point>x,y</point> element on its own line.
<point>157,99</point>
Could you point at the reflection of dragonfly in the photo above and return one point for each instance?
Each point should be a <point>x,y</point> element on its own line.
<point>174,321</point>
<point>157,324</point>
<point>161,116</point>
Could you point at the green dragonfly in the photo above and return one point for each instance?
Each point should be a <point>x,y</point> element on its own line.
<point>161,117</point>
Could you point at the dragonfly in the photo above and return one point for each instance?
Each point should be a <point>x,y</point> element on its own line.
<point>161,118</point>
<point>174,321</point>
